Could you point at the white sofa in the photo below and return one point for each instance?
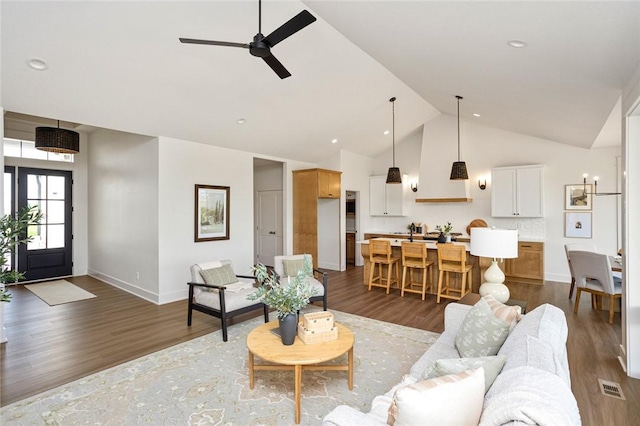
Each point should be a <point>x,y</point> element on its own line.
<point>533,387</point>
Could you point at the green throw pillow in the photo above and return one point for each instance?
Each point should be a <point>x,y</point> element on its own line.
<point>290,267</point>
<point>219,276</point>
<point>481,333</point>
<point>492,366</point>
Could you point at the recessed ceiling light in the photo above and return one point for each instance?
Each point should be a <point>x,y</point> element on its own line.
<point>518,44</point>
<point>386,132</point>
<point>241,120</point>
<point>37,64</point>
<point>334,140</point>
<point>475,114</point>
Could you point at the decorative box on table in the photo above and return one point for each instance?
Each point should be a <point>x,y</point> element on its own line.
<point>317,327</point>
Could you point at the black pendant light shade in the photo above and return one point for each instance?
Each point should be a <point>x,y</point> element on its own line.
<point>55,139</point>
<point>459,171</point>
<point>393,175</point>
<point>459,168</point>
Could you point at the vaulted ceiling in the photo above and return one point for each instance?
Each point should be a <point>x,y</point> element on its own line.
<point>119,65</point>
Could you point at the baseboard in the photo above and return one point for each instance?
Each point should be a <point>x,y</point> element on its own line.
<point>122,285</point>
<point>328,265</point>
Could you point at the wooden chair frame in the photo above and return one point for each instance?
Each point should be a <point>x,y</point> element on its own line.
<point>380,254</point>
<point>414,256</point>
<point>453,258</point>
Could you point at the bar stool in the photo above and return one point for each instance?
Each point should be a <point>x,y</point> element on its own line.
<point>414,256</point>
<point>380,255</point>
<point>453,258</point>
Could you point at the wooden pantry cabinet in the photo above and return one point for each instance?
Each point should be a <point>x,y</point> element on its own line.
<point>316,214</point>
<point>528,267</point>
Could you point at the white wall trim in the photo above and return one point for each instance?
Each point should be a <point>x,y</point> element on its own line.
<point>122,285</point>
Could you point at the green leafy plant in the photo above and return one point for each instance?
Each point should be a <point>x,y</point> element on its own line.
<point>288,297</point>
<point>445,228</point>
<point>14,232</point>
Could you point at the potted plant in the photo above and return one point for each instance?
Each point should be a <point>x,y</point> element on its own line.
<point>287,298</point>
<point>14,232</point>
<point>445,233</point>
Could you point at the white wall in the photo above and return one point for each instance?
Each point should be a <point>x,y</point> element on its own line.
<point>484,148</point>
<point>123,211</point>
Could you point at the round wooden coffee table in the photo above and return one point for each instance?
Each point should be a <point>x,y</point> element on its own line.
<point>262,343</point>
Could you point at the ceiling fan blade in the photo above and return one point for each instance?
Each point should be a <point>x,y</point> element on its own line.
<point>277,66</point>
<point>290,27</point>
<point>212,42</point>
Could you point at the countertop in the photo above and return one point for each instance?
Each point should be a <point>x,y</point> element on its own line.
<point>397,242</point>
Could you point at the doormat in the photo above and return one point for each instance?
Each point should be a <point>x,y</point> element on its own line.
<point>58,292</point>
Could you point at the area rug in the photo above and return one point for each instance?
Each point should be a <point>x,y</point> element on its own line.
<point>58,292</point>
<point>206,382</point>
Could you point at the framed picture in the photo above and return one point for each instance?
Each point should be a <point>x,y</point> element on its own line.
<point>577,225</point>
<point>575,197</point>
<point>212,213</point>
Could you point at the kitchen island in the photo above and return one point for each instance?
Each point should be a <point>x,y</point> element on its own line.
<point>432,254</point>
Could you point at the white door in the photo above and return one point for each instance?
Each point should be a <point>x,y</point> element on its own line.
<point>268,226</point>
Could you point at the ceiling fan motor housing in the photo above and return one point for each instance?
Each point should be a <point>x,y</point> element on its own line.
<point>258,47</point>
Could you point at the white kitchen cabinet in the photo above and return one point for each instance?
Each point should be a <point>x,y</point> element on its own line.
<point>517,191</point>
<point>387,200</point>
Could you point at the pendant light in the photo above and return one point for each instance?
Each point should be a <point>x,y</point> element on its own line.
<point>62,141</point>
<point>459,168</point>
<point>394,176</point>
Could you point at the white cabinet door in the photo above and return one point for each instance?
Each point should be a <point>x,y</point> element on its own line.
<point>386,200</point>
<point>530,194</point>
<point>503,193</point>
<point>517,191</point>
<point>377,196</point>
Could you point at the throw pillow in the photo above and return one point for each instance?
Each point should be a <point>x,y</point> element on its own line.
<point>511,314</point>
<point>481,333</point>
<point>492,366</point>
<point>290,267</point>
<point>438,401</point>
<point>219,276</point>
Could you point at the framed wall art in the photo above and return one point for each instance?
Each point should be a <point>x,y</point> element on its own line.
<point>212,205</point>
<point>577,224</point>
<point>576,198</point>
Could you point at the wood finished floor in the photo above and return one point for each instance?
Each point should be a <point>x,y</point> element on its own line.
<point>50,346</point>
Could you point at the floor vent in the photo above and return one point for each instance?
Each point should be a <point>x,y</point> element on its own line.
<point>611,389</point>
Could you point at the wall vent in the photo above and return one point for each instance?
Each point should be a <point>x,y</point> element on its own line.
<point>611,389</point>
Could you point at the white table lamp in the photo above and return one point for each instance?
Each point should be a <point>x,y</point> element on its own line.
<point>496,244</point>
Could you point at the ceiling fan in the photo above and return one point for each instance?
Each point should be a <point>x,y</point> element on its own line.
<point>261,45</point>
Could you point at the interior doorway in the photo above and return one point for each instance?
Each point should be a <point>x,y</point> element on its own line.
<point>268,182</point>
<point>352,222</point>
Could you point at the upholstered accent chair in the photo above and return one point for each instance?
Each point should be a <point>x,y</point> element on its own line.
<point>216,290</point>
<point>288,266</point>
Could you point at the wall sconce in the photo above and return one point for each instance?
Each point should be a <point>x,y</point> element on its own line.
<point>414,186</point>
<point>482,184</point>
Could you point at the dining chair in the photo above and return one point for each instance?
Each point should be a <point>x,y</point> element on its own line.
<point>452,258</point>
<point>576,246</point>
<point>593,274</point>
<point>380,254</point>
<point>414,257</point>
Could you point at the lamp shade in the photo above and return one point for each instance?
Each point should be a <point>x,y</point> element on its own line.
<point>55,139</point>
<point>494,243</point>
<point>394,176</point>
<point>459,171</point>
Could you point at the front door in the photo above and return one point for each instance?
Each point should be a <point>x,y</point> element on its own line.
<point>49,254</point>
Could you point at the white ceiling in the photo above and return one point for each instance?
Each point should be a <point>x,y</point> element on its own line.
<point>119,65</point>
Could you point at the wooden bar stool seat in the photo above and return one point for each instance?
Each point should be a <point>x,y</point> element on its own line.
<point>380,255</point>
<point>414,256</point>
<point>453,258</point>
